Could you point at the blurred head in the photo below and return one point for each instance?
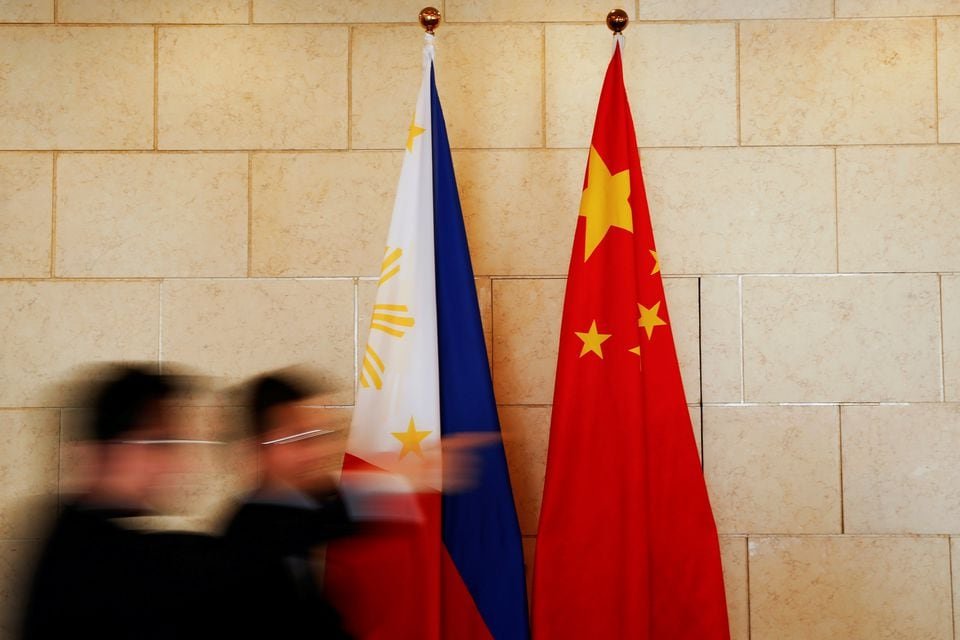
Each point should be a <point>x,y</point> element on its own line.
<point>131,427</point>
<point>295,443</point>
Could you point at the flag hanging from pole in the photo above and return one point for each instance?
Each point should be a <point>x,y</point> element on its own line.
<point>627,546</point>
<point>425,374</point>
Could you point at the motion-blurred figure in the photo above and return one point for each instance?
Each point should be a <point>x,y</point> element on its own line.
<point>295,507</point>
<point>95,577</point>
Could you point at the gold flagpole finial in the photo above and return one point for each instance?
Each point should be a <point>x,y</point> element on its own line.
<point>617,20</point>
<point>429,18</point>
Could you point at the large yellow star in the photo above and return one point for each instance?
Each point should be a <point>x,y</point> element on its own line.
<point>411,439</point>
<point>604,202</point>
<point>592,340</point>
<point>413,133</point>
<point>649,318</point>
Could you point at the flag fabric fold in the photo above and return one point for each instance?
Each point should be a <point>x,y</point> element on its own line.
<point>627,546</point>
<point>424,374</point>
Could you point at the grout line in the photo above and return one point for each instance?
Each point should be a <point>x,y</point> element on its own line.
<point>250,12</point>
<point>700,361</point>
<point>543,85</point>
<point>53,217</point>
<point>836,205</point>
<point>156,87</point>
<point>943,380</point>
<point>843,519</point>
<point>835,3</point>
<point>160,328</point>
<point>356,338</point>
<point>953,595</point>
<point>936,76</point>
<point>743,384</point>
<point>249,215</point>
<point>746,540</point>
<point>56,11</point>
<point>349,88</point>
<point>739,118</point>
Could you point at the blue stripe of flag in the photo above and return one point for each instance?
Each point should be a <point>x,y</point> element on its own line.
<point>480,528</point>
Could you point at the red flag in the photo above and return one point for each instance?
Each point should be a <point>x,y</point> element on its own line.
<point>627,546</point>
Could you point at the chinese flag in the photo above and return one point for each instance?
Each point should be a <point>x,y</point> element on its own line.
<point>627,546</point>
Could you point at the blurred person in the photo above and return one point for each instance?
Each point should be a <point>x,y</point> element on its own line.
<point>97,578</point>
<point>295,507</point>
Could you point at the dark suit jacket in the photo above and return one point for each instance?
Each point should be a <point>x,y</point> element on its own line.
<point>277,595</point>
<point>97,579</point>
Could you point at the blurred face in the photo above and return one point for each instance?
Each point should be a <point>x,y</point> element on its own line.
<point>296,451</point>
<point>139,464</point>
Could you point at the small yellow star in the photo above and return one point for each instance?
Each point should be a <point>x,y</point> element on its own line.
<point>604,202</point>
<point>413,133</point>
<point>592,340</point>
<point>656,262</point>
<point>649,318</point>
<point>635,350</point>
<point>411,439</point>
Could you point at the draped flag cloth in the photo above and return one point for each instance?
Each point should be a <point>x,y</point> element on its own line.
<point>425,373</point>
<point>626,546</point>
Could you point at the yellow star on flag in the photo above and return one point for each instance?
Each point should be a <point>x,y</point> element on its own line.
<point>411,439</point>
<point>413,133</point>
<point>592,340</point>
<point>649,318</point>
<point>604,202</point>
<point>656,262</point>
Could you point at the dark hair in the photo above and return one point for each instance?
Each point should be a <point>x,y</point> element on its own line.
<point>122,402</point>
<point>270,390</point>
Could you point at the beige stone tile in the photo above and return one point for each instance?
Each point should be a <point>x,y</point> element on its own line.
<point>543,11</point>
<point>733,9</point>
<point>526,332</point>
<point>487,102</point>
<point>683,301</point>
<point>520,208</point>
<point>896,208</point>
<point>850,587</point>
<point>26,10</point>
<point>733,550</point>
<point>17,558</point>
<point>697,425</point>
<point>28,471</point>
<point>840,82</point>
<point>841,339</point>
<point>323,214</point>
<point>485,305</point>
<point>165,11</point>
<point>232,329</point>
<point>883,8</point>
<point>948,81</point>
<point>50,328</point>
<point>151,215</point>
<point>526,434</point>
<point>720,365</point>
<point>253,87</point>
<point>60,88</point>
<point>352,11</point>
<point>26,184</point>
<point>743,210</point>
<point>899,470</point>
<point>681,80</point>
<point>950,285</point>
<point>773,469</point>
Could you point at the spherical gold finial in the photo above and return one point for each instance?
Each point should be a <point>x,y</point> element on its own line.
<point>429,18</point>
<point>617,20</point>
